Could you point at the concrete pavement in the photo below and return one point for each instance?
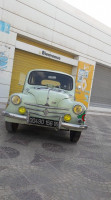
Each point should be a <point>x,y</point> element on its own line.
<point>40,164</point>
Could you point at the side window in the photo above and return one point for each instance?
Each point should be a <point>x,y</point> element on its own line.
<point>32,80</point>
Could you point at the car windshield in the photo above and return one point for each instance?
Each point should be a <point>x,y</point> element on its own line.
<point>46,78</point>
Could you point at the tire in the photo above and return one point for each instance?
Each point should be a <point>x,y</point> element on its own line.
<point>74,136</point>
<point>11,127</point>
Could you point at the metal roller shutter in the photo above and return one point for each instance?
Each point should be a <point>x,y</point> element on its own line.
<point>101,90</point>
<point>24,62</point>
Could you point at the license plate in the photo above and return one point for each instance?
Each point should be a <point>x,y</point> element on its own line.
<point>43,122</point>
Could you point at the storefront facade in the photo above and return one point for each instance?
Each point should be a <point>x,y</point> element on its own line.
<point>54,36</point>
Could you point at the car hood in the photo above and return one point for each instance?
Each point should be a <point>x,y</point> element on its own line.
<point>49,96</point>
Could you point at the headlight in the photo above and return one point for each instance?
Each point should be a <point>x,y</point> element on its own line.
<point>22,110</point>
<point>78,109</point>
<point>67,118</point>
<point>16,100</point>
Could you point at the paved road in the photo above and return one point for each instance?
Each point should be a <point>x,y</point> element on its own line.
<point>38,164</point>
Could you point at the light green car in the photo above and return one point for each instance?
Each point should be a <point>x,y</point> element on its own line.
<point>48,101</point>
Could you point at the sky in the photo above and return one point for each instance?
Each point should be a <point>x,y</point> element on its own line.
<point>98,9</point>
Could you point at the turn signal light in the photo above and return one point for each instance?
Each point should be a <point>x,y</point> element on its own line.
<point>22,110</point>
<point>67,118</point>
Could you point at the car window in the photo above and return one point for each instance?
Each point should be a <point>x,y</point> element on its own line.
<point>51,78</point>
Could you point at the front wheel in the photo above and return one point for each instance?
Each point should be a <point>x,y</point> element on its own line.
<point>74,136</point>
<point>11,127</point>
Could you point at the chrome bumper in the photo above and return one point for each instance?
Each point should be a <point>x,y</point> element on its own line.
<point>15,116</point>
<point>62,125</point>
<point>68,126</point>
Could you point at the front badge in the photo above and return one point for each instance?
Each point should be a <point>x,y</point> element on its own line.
<point>46,112</point>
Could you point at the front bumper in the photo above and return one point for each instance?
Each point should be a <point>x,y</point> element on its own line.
<point>62,125</point>
<point>68,126</point>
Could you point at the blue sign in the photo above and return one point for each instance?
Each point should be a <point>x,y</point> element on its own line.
<point>4,27</point>
<point>3,61</point>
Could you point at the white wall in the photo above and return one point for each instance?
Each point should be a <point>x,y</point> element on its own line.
<point>60,25</point>
<point>7,48</point>
<point>56,23</point>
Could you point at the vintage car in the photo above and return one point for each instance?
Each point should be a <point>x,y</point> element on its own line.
<point>47,100</point>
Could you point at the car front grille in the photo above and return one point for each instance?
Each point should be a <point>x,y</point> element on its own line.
<point>45,111</point>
